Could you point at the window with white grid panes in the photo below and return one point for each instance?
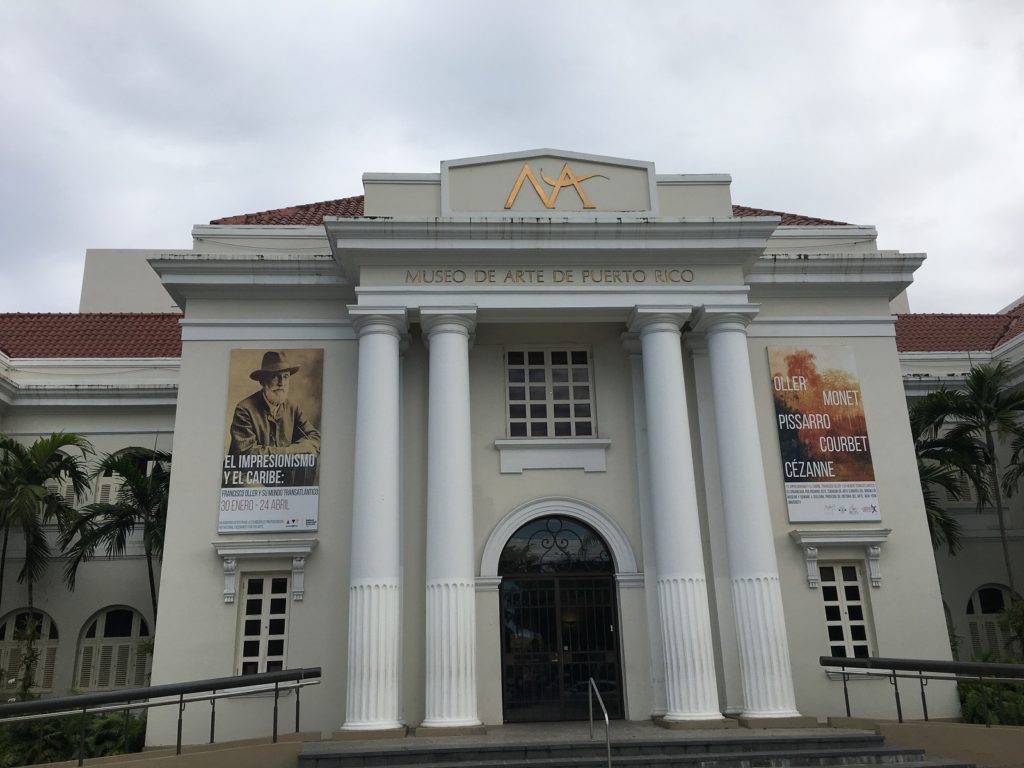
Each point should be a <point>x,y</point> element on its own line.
<point>264,623</point>
<point>550,393</point>
<point>846,620</point>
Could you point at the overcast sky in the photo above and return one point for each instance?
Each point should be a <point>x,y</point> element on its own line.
<point>122,124</point>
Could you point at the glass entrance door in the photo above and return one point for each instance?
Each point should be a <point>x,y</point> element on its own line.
<point>559,622</point>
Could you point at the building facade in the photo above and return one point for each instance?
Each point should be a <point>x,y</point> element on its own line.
<point>479,435</point>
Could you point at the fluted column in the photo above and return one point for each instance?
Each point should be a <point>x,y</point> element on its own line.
<point>690,686</point>
<point>451,596</point>
<point>754,573</point>
<point>374,625</point>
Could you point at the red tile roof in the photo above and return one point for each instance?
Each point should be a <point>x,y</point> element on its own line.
<point>924,332</point>
<point>312,214</point>
<point>90,335</point>
<point>788,219</point>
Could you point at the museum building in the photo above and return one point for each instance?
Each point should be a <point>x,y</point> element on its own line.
<point>474,437</point>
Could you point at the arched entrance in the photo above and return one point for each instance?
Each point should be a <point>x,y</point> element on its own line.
<point>559,621</point>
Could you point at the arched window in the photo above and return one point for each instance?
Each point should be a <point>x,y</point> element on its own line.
<point>12,630</point>
<point>114,651</point>
<point>984,611</point>
<point>555,544</point>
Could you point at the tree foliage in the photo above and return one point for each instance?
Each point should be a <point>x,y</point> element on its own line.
<point>30,480</point>
<point>140,503</point>
<point>975,419</point>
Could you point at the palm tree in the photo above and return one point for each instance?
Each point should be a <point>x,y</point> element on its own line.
<point>30,499</point>
<point>943,464</point>
<point>986,411</point>
<point>141,502</point>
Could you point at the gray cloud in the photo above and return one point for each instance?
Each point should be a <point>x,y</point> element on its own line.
<point>125,123</point>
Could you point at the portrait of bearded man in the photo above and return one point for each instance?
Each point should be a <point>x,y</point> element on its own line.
<point>267,421</point>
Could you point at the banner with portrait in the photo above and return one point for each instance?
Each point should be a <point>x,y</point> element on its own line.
<point>270,478</point>
<point>819,416</point>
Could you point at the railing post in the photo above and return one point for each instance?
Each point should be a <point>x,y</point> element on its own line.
<point>846,691</point>
<point>276,692</point>
<point>298,689</point>
<point>984,701</point>
<point>181,714</point>
<point>81,739</point>
<point>924,699</point>
<point>127,719</point>
<point>896,691</point>
<point>213,715</point>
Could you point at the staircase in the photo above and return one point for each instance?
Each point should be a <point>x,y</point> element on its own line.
<point>522,749</point>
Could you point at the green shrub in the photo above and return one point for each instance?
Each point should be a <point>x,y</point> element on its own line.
<point>50,741</point>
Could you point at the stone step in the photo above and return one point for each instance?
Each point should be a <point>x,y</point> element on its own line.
<point>762,752</point>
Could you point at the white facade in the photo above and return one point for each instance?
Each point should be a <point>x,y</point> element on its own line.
<point>659,306</point>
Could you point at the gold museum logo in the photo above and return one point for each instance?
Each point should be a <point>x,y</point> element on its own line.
<point>565,179</point>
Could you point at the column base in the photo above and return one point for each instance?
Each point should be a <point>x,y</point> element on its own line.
<point>355,734</point>
<point>695,725</point>
<point>785,721</point>
<point>449,730</point>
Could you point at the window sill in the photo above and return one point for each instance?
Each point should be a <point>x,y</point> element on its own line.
<point>586,453</point>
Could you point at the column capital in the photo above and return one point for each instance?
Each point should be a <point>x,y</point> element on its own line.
<point>631,343</point>
<point>712,318</point>
<point>645,320</point>
<point>393,321</point>
<point>448,320</point>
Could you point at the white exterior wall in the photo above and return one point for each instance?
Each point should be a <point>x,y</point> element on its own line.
<point>295,294</point>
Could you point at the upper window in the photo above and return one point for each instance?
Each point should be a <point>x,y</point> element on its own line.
<point>13,630</point>
<point>550,393</point>
<point>846,620</point>
<point>114,652</point>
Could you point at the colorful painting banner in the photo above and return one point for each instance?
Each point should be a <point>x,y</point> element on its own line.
<point>270,478</point>
<point>826,454</point>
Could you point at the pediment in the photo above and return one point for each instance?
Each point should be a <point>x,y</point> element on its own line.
<point>547,182</point>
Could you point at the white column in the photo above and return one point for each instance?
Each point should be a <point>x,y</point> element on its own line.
<point>754,573</point>
<point>631,343</point>
<point>451,594</point>
<point>374,625</point>
<point>690,687</point>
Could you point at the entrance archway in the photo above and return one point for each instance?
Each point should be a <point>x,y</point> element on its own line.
<point>559,621</point>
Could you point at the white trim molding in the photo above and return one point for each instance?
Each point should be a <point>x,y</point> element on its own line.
<point>811,540</point>
<point>586,453</point>
<point>609,530</point>
<point>231,552</point>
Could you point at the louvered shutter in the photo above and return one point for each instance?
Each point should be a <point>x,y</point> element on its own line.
<point>105,666</point>
<point>13,668</point>
<point>85,671</point>
<point>47,667</point>
<point>141,663</point>
<point>122,654</point>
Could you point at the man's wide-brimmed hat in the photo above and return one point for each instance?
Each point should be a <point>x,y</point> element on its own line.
<point>273,362</point>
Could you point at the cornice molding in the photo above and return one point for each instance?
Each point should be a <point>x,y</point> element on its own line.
<point>886,272</point>
<point>188,275</point>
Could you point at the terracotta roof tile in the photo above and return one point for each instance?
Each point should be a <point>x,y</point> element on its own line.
<point>312,214</point>
<point>788,219</point>
<point>90,335</point>
<point>923,332</point>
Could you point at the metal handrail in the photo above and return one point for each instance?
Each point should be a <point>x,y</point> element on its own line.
<point>607,727</point>
<point>146,697</point>
<point>938,669</point>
